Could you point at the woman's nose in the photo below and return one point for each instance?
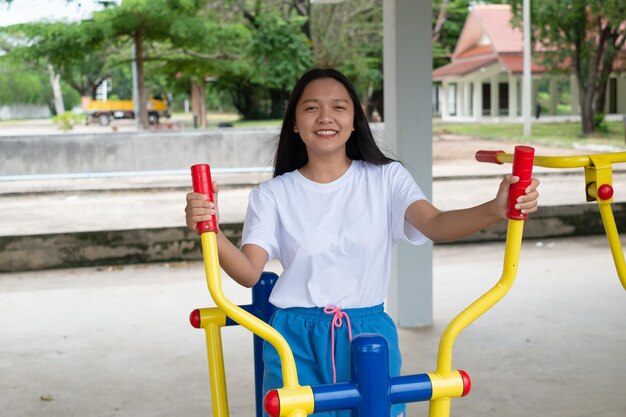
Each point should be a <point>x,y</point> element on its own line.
<point>324,116</point>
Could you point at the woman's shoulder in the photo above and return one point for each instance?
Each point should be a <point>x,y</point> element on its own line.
<point>385,169</point>
<point>276,183</point>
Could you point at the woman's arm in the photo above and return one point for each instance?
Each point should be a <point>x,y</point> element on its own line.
<point>441,226</point>
<point>244,266</point>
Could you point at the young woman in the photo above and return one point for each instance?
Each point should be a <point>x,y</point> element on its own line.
<point>330,215</point>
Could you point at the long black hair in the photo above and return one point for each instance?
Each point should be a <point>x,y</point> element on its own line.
<point>291,151</point>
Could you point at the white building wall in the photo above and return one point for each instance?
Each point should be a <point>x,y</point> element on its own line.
<point>24,111</point>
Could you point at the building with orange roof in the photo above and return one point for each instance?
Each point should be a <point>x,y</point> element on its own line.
<point>484,78</point>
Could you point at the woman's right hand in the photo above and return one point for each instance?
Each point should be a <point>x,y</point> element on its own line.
<point>200,209</point>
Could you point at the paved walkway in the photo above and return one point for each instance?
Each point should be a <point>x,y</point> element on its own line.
<point>115,342</point>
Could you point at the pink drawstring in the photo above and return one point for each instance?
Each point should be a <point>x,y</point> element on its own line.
<point>338,316</point>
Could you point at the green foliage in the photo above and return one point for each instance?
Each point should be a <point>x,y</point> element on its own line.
<point>600,123</point>
<point>21,85</point>
<point>280,52</point>
<point>456,11</point>
<point>582,37</point>
<point>68,120</point>
<point>251,50</point>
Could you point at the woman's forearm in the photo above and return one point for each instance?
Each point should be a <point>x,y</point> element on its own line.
<point>243,266</point>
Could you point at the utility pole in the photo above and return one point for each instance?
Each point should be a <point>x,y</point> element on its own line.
<point>135,92</point>
<point>527,75</point>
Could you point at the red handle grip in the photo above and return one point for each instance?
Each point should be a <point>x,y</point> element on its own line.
<point>489,156</point>
<point>522,168</point>
<point>201,179</point>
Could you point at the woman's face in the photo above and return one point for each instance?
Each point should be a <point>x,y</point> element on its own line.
<point>325,117</point>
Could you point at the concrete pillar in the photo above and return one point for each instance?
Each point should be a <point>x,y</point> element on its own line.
<point>534,98</point>
<point>478,99</point>
<point>408,66</point>
<point>459,99</point>
<point>443,102</point>
<point>495,97</point>
<point>512,95</point>
<point>467,97</point>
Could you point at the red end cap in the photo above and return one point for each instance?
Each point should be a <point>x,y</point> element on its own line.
<point>467,382</point>
<point>488,156</point>
<point>523,162</point>
<point>271,403</point>
<point>194,318</point>
<point>605,192</point>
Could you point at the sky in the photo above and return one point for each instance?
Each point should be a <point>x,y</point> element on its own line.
<point>22,11</point>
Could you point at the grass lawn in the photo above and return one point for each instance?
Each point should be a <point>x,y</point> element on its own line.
<point>553,134</point>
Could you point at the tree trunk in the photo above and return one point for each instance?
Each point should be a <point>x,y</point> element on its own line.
<point>55,81</point>
<point>441,19</point>
<point>585,100</point>
<point>143,110</point>
<point>198,102</point>
<point>608,58</point>
<point>587,87</point>
<point>202,101</point>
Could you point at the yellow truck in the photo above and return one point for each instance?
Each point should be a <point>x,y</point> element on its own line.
<point>103,111</point>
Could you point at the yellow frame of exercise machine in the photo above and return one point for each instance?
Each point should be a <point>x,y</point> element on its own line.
<point>598,172</point>
<point>297,401</point>
<point>299,394</point>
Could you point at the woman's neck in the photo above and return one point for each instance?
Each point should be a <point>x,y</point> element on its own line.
<point>325,171</point>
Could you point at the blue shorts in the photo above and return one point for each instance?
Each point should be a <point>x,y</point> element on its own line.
<point>308,332</point>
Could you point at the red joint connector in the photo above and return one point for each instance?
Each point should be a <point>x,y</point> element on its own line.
<point>467,383</point>
<point>605,192</point>
<point>194,318</point>
<point>271,403</point>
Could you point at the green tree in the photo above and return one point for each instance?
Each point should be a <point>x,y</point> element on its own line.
<point>202,47</point>
<point>349,37</point>
<point>70,51</point>
<point>583,36</point>
<point>282,52</point>
<point>279,51</point>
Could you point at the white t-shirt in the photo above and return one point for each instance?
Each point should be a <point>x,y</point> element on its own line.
<point>333,240</point>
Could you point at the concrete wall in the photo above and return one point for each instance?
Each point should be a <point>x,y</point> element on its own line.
<point>172,244</point>
<point>114,152</point>
<point>24,111</point>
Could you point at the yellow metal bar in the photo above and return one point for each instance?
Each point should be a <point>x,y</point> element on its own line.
<point>441,406</point>
<point>574,161</point>
<point>217,375</point>
<point>613,236</point>
<point>252,323</point>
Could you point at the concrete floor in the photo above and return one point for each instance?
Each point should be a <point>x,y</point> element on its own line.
<point>99,342</point>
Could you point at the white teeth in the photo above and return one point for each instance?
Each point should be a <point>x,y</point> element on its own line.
<point>326,132</point>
